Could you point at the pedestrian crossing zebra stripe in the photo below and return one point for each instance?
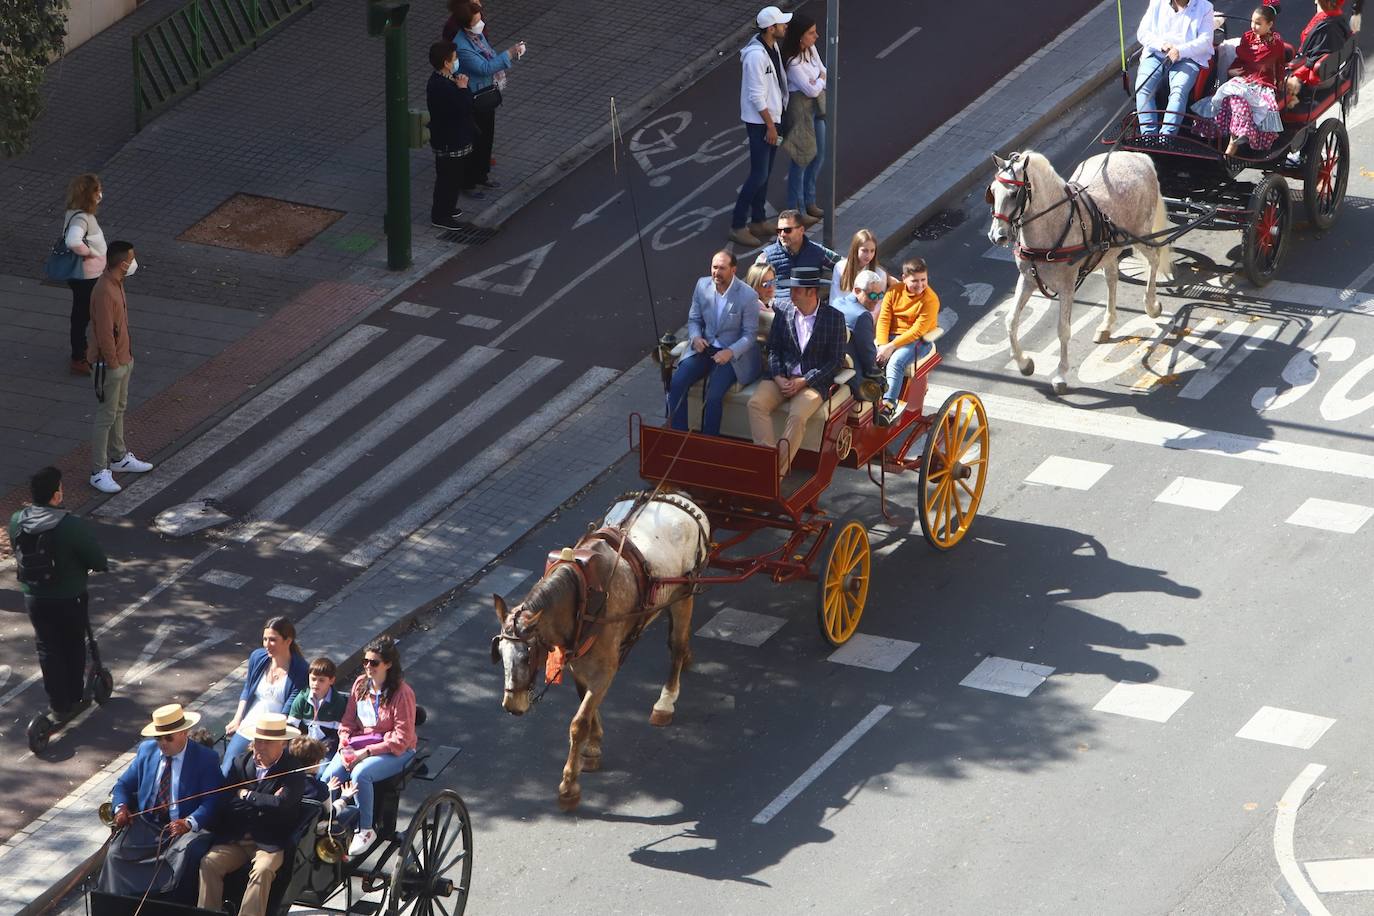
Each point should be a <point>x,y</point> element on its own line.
<point>393,419</point>
<point>239,422</point>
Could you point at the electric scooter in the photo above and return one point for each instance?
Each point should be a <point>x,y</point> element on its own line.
<point>99,688</point>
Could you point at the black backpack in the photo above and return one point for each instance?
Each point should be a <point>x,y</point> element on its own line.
<point>36,557</point>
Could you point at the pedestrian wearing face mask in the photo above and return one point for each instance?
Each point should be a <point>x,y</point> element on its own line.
<point>111,357</point>
<point>486,72</point>
<point>450,132</point>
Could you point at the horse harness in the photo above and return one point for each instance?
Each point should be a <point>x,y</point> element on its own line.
<point>1098,232</point>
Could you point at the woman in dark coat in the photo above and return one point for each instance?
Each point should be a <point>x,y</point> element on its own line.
<point>450,131</point>
<point>1326,33</point>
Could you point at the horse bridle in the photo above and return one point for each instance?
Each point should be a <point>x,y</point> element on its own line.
<point>512,630</point>
<point>1022,196</point>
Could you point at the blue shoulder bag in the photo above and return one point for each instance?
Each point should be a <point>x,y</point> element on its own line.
<point>62,263</point>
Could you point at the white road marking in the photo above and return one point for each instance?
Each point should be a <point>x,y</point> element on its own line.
<point>1071,473</point>
<point>226,579</point>
<point>362,442</point>
<point>414,309</point>
<point>744,627</point>
<point>532,261</point>
<point>479,321</point>
<point>144,668</point>
<point>1284,824</point>
<point>503,580</point>
<point>1169,435</point>
<point>293,593</point>
<point>172,469</point>
<point>1329,515</point>
<point>1198,494</point>
<point>1247,338</point>
<point>590,215</point>
<point>977,294</point>
<point>1339,876</point>
<point>910,33</point>
<point>1007,675</point>
<point>320,418</point>
<point>877,653</point>
<point>439,441</point>
<point>465,478</point>
<point>1143,701</point>
<point>772,809</point>
<point>1286,727</point>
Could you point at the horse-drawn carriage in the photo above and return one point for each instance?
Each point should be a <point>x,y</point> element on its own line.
<point>425,869</point>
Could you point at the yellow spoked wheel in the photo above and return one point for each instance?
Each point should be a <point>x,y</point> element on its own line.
<point>844,583</point>
<point>953,470</point>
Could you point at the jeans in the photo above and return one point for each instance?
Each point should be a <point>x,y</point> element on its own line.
<point>235,748</point>
<point>448,175</point>
<point>81,315</point>
<point>897,364</point>
<point>691,370</point>
<point>753,194</point>
<point>107,432</point>
<point>1181,75</point>
<point>801,180</point>
<point>364,775</point>
<point>59,634</point>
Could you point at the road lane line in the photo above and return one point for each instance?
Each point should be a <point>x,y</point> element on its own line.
<point>398,415</point>
<point>1284,825</point>
<point>239,422</point>
<point>898,43</point>
<point>1170,435</point>
<point>474,472</point>
<point>438,441</point>
<point>820,766</point>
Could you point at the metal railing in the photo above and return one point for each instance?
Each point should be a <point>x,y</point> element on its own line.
<point>174,55</point>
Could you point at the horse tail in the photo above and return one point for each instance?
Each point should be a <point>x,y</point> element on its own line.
<point>1164,254</point>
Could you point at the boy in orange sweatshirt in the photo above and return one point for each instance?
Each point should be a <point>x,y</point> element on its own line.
<point>908,312</point>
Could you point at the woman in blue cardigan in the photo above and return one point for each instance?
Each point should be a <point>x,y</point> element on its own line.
<point>484,68</point>
<point>276,673</point>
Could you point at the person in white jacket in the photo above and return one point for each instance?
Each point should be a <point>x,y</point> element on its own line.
<point>762,98</point>
<point>1175,44</point>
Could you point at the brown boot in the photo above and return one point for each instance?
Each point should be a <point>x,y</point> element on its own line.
<point>765,230</point>
<point>815,211</point>
<point>743,237</point>
<point>80,367</point>
<point>808,220</point>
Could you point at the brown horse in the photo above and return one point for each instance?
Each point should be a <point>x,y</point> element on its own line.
<point>592,604</point>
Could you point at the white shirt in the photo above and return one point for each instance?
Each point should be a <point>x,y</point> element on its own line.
<point>720,315</point>
<point>1189,29</point>
<point>806,73</point>
<point>802,325</point>
<point>173,813</point>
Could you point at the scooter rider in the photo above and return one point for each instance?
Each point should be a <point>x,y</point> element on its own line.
<point>54,550</point>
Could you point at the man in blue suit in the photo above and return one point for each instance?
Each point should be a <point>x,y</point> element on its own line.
<point>721,327</point>
<point>170,791</point>
<point>805,349</point>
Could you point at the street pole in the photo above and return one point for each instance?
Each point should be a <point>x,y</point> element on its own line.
<point>832,111</point>
<point>397,143</point>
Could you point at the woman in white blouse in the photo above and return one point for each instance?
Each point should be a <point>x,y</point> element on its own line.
<point>83,235</point>
<point>805,75</point>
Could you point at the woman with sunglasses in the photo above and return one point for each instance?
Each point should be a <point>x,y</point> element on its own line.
<point>377,734</point>
<point>762,279</point>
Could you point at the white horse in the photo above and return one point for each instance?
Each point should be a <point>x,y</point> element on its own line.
<point>1057,228</point>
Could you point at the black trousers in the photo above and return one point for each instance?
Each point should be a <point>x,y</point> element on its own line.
<point>479,160</point>
<point>59,630</point>
<point>448,177</point>
<point>81,315</point>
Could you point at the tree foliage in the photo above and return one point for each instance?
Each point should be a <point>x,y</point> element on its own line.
<point>31,35</point>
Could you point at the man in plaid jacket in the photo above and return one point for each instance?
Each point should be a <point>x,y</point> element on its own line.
<point>805,349</point>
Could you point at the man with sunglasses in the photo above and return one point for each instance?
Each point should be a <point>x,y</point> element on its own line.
<point>163,804</point>
<point>868,291</point>
<point>793,250</point>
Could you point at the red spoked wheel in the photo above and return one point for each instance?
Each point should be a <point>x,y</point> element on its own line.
<point>1266,235</point>
<point>1326,171</point>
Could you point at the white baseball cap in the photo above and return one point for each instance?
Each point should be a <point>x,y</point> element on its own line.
<point>771,16</point>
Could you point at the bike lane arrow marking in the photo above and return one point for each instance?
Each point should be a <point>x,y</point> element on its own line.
<point>532,260</point>
<point>587,217</point>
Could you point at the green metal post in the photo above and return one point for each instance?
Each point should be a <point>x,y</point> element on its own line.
<point>397,146</point>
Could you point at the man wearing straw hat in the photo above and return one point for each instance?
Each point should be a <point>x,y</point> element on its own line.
<point>163,803</point>
<point>254,823</point>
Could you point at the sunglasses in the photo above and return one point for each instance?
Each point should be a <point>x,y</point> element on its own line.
<point>783,230</point>
<point>372,662</point>
<point>769,283</point>
<point>873,297</point>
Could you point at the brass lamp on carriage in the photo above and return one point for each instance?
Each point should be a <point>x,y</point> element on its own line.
<point>663,355</point>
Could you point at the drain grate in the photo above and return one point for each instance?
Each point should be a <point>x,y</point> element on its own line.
<point>939,224</point>
<point>470,235</point>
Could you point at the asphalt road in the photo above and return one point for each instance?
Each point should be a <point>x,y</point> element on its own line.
<point>401,410</point>
<point>1199,626</point>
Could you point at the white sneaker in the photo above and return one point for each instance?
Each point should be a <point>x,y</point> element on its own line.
<point>362,840</point>
<point>130,464</point>
<point>104,482</point>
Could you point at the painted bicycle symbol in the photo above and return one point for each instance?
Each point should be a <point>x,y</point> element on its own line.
<point>654,142</point>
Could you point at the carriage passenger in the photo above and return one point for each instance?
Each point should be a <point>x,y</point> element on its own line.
<point>276,673</point>
<point>793,250</point>
<point>1176,43</point>
<point>857,307</point>
<point>1246,106</point>
<point>762,280</point>
<point>909,312</point>
<point>863,255</point>
<point>377,735</point>
<point>1325,33</point>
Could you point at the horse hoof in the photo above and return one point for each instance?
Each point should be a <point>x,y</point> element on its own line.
<point>1153,310</point>
<point>1103,336</point>
<point>569,802</point>
<point>1061,388</point>
<point>591,764</point>
<point>1028,367</point>
<point>660,718</point>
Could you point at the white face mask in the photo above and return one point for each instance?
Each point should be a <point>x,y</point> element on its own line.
<point>453,67</point>
<point>478,28</point>
<point>133,268</point>
<point>99,196</point>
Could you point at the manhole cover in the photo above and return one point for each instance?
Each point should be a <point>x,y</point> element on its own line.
<point>263,225</point>
<point>939,224</point>
<point>469,235</point>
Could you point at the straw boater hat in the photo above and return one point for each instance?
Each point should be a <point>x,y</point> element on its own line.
<point>170,719</point>
<point>271,726</point>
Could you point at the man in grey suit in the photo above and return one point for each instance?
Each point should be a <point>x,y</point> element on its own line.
<point>721,328</point>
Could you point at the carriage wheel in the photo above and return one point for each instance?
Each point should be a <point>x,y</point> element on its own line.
<point>438,839</point>
<point>1326,170</point>
<point>954,469</point>
<point>843,585</point>
<point>1266,235</point>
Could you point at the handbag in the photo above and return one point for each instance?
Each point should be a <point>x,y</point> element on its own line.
<point>62,263</point>
<point>358,742</point>
<point>486,99</point>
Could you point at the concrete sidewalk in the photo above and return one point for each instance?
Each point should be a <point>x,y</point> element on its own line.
<point>423,570</point>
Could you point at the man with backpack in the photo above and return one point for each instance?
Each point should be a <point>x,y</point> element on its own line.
<point>54,550</point>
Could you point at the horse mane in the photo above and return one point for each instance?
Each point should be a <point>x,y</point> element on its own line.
<point>1042,173</point>
<point>551,591</point>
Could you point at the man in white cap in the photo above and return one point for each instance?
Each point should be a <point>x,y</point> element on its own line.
<point>255,823</point>
<point>762,98</point>
<point>172,787</point>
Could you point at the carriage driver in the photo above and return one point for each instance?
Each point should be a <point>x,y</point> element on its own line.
<point>1175,44</point>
